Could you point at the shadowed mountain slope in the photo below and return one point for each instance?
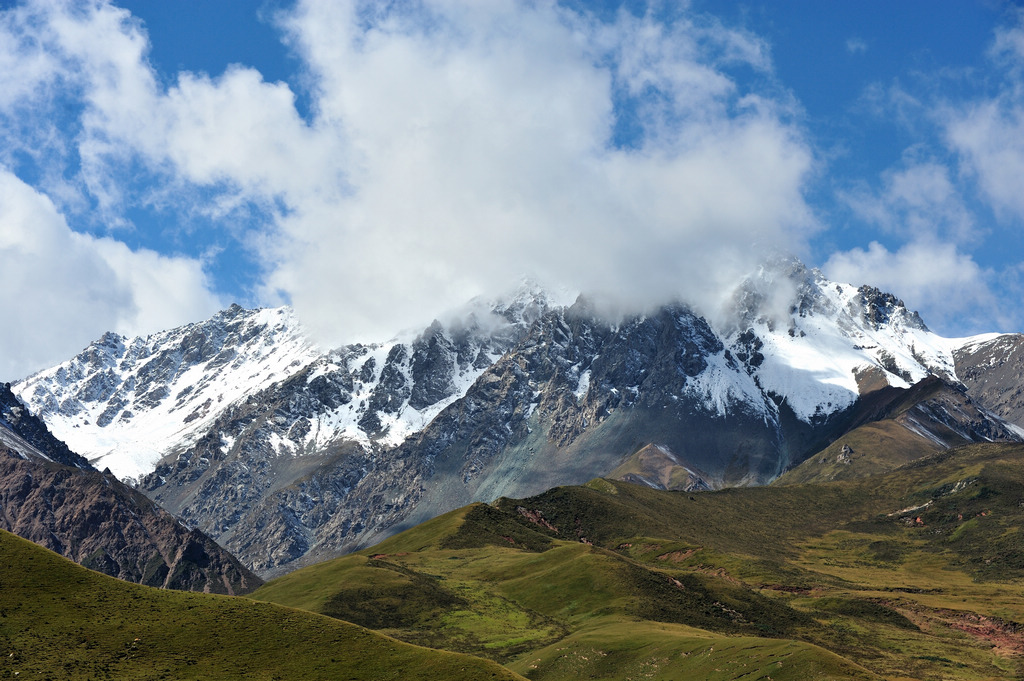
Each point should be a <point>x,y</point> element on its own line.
<point>54,498</point>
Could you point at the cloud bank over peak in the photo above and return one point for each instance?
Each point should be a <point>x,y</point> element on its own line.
<point>485,140</point>
<point>450,148</point>
<point>427,152</point>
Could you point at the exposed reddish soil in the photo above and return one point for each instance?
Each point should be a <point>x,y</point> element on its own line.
<point>536,517</point>
<point>677,556</point>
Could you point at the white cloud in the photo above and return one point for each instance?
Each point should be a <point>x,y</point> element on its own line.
<point>1008,46</point>
<point>950,290</point>
<point>452,147</point>
<point>988,133</point>
<point>917,201</point>
<point>165,290</point>
<point>989,136</point>
<point>482,148</point>
<point>62,289</point>
<point>966,153</point>
<point>28,71</point>
<point>855,45</point>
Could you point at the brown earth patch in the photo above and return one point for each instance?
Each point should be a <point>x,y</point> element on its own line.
<point>677,556</point>
<point>536,517</point>
<point>1005,636</point>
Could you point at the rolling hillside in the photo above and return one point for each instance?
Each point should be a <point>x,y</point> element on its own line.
<point>910,574</point>
<point>61,621</point>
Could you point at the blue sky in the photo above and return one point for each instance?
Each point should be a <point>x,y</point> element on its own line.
<point>375,163</point>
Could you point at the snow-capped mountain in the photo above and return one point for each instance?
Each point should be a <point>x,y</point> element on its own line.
<point>124,402</point>
<point>832,342</point>
<point>127,403</point>
<point>285,453</point>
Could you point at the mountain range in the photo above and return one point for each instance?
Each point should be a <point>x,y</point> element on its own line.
<point>805,483</point>
<point>287,454</point>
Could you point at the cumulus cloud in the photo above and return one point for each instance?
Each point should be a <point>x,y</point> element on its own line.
<point>988,133</point>
<point>950,290</point>
<point>989,136</point>
<point>62,289</point>
<point>451,148</point>
<point>482,145</point>
<point>918,200</point>
<point>932,208</point>
<point>456,146</point>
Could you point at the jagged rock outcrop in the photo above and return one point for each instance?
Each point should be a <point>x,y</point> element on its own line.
<point>992,369</point>
<point>54,498</point>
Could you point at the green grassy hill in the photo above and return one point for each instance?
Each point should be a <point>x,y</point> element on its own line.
<point>61,621</point>
<point>916,573</point>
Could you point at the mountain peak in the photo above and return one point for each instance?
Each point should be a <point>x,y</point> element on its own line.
<point>879,308</point>
<point>121,400</point>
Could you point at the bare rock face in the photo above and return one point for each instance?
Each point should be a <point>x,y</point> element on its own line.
<point>993,372</point>
<point>878,308</point>
<point>97,521</point>
<point>53,497</point>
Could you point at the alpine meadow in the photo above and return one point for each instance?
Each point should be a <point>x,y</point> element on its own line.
<point>526,339</point>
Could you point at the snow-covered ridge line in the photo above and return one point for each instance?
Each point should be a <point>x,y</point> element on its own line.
<point>128,403</point>
<point>121,400</point>
<point>832,337</point>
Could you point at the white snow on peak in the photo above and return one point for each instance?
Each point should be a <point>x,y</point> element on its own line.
<point>122,402</point>
<point>814,354</point>
<point>483,325</point>
<point>972,344</point>
<point>722,389</point>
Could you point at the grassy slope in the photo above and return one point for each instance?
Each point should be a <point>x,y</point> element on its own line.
<point>61,621</point>
<point>830,580</point>
<point>876,448</point>
<point>651,464</point>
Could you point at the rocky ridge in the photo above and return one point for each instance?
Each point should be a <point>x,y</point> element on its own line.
<point>53,497</point>
<point>124,402</point>
<point>992,369</point>
<point>512,398</point>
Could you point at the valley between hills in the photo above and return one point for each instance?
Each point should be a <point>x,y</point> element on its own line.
<point>911,573</point>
